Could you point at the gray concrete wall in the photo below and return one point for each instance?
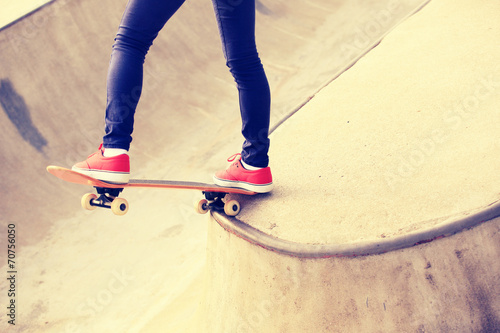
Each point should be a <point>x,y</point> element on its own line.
<point>447,285</point>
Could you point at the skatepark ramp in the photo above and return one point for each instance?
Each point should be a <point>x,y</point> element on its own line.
<point>384,216</point>
<point>53,77</point>
<point>393,172</point>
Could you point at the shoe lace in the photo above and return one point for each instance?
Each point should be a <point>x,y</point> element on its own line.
<point>100,149</point>
<point>233,157</point>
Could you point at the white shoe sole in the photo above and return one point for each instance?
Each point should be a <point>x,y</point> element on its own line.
<point>264,188</point>
<point>107,176</point>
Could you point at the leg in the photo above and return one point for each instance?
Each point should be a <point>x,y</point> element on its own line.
<point>236,21</point>
<point>141,22</point>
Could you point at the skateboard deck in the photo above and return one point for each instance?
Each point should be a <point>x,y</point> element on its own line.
<point>215,196</point>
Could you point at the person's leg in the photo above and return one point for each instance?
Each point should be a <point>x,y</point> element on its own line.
<point>236,21</point>
<point>141,22</point>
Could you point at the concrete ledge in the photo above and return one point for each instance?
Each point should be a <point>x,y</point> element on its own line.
<point>385,214</point>
<point>448,285</point>
<point>405,139</point>
<point>450,226</point>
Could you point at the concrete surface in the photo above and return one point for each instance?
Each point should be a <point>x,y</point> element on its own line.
<point>93,272</point>
<point>17,10</point>
<point>54,72</point>
<point>385,213</point>
<point>448,285</point>
<point>404,140</point>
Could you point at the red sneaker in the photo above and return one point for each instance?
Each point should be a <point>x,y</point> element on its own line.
<point>110,169</point>
<point>260,181</point>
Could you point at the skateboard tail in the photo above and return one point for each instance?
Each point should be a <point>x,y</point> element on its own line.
<point>79,178</point>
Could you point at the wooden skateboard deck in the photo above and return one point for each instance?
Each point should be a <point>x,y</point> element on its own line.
<point>214,194</point>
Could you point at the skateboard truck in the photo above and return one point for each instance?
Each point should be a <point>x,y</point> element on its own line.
<point>108,198</point>
<point>217,201</point>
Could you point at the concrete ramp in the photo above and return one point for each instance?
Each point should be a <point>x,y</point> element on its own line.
<point>447,285</point>
<point>53,76</point>
<point>384,218</point>
<point>91,271</point>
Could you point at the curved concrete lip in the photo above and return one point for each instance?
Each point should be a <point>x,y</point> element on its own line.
<point>452,225</point>
<point>380,159</point>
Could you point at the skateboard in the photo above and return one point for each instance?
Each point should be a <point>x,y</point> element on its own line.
<point>107,193</point>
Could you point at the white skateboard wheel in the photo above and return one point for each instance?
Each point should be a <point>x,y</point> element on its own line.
<point>201,206</point>
<point>119,206</point>
<point>86,201</point>
<point>232,208</point>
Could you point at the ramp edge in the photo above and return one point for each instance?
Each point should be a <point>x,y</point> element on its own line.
<point>449,227</point>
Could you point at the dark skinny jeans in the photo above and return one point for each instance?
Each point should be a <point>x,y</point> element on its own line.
<point>141,23</point>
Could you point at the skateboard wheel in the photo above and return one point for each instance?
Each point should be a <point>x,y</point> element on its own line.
<point>232,208</point>
<point>201,206</point>
<point>87,201</point>
<point>119,206</point>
